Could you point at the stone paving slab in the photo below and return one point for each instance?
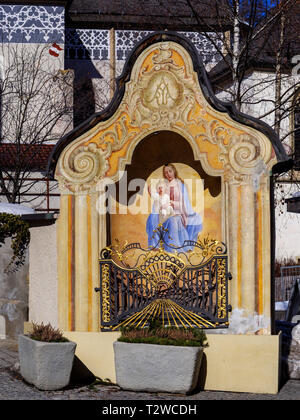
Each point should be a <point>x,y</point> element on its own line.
<point>13,387</point>
<point>8,353</point>
<point>9,345</point>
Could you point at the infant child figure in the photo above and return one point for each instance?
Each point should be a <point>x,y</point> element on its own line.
<point>162,203</point>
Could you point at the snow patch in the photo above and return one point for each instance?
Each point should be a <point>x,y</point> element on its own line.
<point>16,209</point>
<point>281,306</point>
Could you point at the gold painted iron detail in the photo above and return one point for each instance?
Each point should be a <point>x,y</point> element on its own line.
<point>221,281</point>
<point>105,293</point>
<point>187,287</point>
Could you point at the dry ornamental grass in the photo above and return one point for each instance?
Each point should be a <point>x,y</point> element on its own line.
<point>46,333</point>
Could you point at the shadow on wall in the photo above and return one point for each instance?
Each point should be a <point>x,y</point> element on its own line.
<point>80,374</point>
<point>13,295</point>
<point>79,60</point>
<point>202,375</point>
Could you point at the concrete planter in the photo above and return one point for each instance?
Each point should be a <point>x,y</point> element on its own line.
<point>157,368</point>
<point>46,365</point>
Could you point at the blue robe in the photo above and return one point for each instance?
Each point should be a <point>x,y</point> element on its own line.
<point>177,233</point>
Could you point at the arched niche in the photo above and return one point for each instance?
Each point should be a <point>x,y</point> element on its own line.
<point>162,147</point>
<point>149,156</point>
<point>164,89</point>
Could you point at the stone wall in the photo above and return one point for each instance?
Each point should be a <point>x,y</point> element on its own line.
<point>43,275</point>
<point>13,296</point>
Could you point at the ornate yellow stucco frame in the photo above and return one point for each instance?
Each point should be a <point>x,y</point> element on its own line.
<point>163,93</point>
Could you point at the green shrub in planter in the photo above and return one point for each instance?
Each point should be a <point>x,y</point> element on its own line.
<point>170,336</point>
<point>159,359</point>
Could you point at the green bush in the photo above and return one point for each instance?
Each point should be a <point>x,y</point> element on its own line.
<point>12,226</point>
<point>157,334</point>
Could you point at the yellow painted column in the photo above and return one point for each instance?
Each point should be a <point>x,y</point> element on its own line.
<point>242,246</point>
<point>94,280</point>
<point>80,229</point>
<point>233,226</point>
<point>248,246</point>
<point>81,263</point>
<point>102,231</point>
<point>265,284</point>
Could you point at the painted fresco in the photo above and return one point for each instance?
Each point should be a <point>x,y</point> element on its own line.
<point>175,196</point>
<point>160,115</point>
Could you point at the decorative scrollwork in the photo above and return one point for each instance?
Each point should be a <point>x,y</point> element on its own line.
<point>205,249</point>
<point>244,152</point>
<point>105,253</point>
<point>221,276</point>
<point>162,269</point>
<point>244,156</point>
<point>105,293</point>
<point>83,165</point>
<point>165,94</point>
<point>202,251</point>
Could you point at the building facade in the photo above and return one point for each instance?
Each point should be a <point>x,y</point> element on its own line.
<point>138,100</point>
<point>91,42</point>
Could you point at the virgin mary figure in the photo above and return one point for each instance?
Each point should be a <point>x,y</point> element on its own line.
<point>184,223</point>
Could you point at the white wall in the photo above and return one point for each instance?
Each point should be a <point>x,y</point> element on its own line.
<point>13,295</point>
<point>287,227</point>
<point>259,89</point>
<point>43,275</point>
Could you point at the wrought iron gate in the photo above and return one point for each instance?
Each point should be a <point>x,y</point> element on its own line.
<point>187,287</point>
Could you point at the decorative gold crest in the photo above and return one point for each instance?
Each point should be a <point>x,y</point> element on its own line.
<point>163,90</point>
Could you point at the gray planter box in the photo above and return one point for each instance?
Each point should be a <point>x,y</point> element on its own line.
<point>46,365</point>
<point>157,368</point>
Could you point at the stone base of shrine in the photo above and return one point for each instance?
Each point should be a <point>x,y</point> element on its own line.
<point>236,363</point>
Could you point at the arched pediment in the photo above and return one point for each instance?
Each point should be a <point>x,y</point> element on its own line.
<point>165,87</point>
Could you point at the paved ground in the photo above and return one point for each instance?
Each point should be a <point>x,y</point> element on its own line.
<point>12,387</point>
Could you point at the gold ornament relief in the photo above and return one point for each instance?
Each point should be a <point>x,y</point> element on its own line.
<point>163,91</point>
<point>164,94</point>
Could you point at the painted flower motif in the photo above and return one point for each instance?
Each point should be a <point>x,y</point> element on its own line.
<point>56,22</point>
<point>34,12</point>
<point>12,21</point>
